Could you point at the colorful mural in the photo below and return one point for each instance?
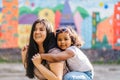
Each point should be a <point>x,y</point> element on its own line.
<point>96,22</point>
<point>9,25</point>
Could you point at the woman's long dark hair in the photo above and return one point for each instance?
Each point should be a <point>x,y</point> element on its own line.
<point>48,44</point>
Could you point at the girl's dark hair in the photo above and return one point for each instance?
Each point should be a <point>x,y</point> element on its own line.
<point>75,38</point>
<point>48,44</point>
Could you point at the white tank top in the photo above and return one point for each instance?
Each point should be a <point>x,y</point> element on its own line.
<point>79,62</point>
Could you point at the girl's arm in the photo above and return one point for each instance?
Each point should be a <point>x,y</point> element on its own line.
<point>51,57</point>
<point>56,72</point>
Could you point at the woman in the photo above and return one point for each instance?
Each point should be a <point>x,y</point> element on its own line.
<point>42,40</point>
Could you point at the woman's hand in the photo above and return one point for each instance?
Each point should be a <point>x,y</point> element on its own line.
<point>23,54</point>
<point>36,59</point>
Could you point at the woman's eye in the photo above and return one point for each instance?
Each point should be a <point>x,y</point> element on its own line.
<point>35,29</point>
<point>42,29</point>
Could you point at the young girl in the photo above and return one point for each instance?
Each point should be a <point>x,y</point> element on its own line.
<point>78,63</point>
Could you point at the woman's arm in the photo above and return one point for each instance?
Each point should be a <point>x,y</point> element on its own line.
<point>57,68</point>
<point>23,55</point>
<point>38,74</point>
<point>51,57</point>
<point>56,72</point>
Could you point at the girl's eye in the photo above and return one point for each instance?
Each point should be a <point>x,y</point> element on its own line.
<point>59,39</point>
<point>66,39</point>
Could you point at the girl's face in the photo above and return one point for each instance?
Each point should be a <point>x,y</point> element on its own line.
<point>39,34</point>
<point>64,40</point>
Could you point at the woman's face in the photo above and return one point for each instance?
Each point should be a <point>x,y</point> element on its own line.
<point>39,33</point>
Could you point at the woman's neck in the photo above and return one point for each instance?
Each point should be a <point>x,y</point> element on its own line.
<point>41,49</point>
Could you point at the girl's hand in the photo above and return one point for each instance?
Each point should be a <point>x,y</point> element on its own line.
<point>36,59</point>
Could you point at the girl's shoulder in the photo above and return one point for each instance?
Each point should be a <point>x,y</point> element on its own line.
<point>54,50</point>
<point>72,47</point>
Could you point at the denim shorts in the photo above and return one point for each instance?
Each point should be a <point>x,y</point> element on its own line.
<point>75,75</point>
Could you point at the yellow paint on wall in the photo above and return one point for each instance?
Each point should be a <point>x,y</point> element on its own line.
<point>24,33</point>
<point>0,18</point>
<point>49,14</point>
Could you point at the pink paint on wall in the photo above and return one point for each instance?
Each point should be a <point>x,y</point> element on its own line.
<point>78,20</point>
<point>57,19</point>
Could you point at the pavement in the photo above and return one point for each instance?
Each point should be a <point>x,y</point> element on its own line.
<point>16,71</point>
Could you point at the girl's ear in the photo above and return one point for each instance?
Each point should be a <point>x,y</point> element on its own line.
<point>71,42</point>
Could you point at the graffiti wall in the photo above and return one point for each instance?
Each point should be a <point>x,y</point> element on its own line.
<point>96,21</point>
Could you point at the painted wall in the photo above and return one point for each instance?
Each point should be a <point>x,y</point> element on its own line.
<point>93,20</point>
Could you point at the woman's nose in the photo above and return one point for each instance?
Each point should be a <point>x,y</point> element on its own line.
<point>37,31</point>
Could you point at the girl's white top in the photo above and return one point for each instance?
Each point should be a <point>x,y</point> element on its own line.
<point>79,62</point>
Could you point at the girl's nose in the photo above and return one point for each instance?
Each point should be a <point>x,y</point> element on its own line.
<point>62,41</point>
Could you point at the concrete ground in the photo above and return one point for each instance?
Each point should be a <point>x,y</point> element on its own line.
<point>15,71</point>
